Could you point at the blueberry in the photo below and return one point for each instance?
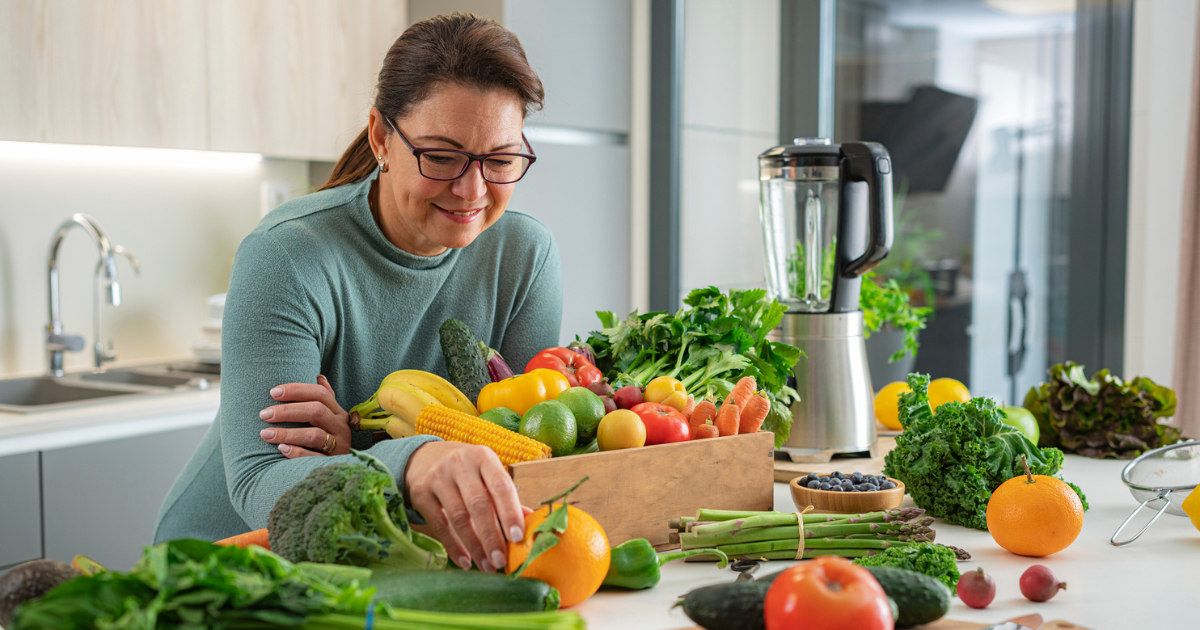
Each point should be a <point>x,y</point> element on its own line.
<point>847,482</point>
<point>870,487</point>
<point>825,479</point>
<point>836,488</point>
<point>824,486</point>
<point>835,474</point>
<point>857,477</point>
<point>887,485</point>
<point>813,476</point>
<point>813,483</point>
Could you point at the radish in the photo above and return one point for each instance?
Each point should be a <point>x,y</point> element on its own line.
<point>1038,584</point>
<point>976,589</point>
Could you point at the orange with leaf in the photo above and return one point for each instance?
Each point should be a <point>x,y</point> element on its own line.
<point>1034,515</point>
<point>564,547</point>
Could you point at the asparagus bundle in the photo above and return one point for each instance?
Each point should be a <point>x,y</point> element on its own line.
<point>777,535</point>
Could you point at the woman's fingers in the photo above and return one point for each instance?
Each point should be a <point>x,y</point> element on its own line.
<point>302,391</point>
<point>309,437</point>
<point>503,497</point>
<point>459,516</point>
<point>478,501</point>
<point>427,505</point>
<point>308,412</point>
<point>292,452</point>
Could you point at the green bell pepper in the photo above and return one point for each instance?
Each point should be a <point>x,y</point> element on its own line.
<point>635,563</point>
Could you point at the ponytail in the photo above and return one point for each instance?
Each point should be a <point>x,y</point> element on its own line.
<point>356,163</point>
<point>458,48</point>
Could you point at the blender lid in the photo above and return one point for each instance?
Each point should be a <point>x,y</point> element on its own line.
<point>804,147</point>
<point>815,159</point>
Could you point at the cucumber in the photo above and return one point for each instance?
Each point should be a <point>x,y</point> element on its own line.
<point>920,598</point>
<point>464,362</point>
<point>732,606</point>
<point>462,592</point>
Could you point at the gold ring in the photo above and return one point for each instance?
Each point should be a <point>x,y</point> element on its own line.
<point>330,444</point>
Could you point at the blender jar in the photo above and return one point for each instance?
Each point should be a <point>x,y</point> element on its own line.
<point>799,187</point>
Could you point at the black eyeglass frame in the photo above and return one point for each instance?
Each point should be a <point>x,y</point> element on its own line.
<point>471,157</point>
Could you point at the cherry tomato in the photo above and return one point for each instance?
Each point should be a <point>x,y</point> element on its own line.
<point>828,593</point>
<point>663,424</point>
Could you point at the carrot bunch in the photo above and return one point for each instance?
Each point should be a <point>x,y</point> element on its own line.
<point>743,411</point>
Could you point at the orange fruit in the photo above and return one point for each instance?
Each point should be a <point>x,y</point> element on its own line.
<point>575,566</point>
<point>1034,515</point>
<point>887,404</point>
<point>944,390</point>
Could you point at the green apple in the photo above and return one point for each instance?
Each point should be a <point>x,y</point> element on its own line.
<point>1023,420</point>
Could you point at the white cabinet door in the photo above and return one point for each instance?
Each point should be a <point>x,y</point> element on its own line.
<point>102,499</point>
<point>118,72</point>
<point>295,78</point>
<point>20,514</point>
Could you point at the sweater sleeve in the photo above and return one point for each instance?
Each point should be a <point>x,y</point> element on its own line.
<point>537,322</point>
<point>272,335</point>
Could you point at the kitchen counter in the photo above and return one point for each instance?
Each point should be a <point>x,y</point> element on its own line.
<point>1147,584</point>
<point>105,420</point>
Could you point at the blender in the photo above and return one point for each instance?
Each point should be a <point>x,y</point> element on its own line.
<point>826,213</point>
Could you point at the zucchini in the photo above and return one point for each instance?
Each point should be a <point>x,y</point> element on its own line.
<point>733,606</point>
<point>919,597</point>
<point>464,362</point>
<point>462,592</point>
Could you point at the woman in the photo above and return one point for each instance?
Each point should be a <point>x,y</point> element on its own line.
<point>335,290</point>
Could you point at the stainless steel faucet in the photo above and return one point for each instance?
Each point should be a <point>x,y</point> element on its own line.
<point>57,341</point>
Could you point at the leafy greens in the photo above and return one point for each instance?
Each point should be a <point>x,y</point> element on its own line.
<point>953,462</point>
<point>932,559</point>
<point>1103,417</point>
<point>716,340</point>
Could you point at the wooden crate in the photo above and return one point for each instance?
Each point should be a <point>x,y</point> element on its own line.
<point>634,492</point>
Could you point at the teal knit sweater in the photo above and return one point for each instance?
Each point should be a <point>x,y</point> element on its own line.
<point>317,289</point>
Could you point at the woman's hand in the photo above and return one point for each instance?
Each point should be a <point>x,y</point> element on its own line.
<point>315,405</point>
<point>468,499</point>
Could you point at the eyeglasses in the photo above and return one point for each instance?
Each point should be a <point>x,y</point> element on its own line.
<point>449,164</point>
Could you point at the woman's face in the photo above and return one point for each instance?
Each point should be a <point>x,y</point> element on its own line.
<point>424,216</point>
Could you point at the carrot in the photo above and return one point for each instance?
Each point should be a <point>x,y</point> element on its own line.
<point>689,407</point>
<point>728,418</point>
<point>705,411</point>
<point>755,412</point>
<point>256,537</point>
<point>704,431</point>
<point>742,392</point>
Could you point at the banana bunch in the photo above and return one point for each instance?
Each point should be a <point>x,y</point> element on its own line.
<point>401,396</point>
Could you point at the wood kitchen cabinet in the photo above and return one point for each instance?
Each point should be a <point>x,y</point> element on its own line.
<point>285,78</point>
<point>113,72</point>
<point>102,499</point>
<point>20,509</point>
<point>294,78</point>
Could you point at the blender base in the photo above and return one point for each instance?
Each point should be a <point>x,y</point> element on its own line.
<point>824,455</point>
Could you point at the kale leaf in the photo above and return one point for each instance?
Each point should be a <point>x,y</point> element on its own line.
<point>952,462</point>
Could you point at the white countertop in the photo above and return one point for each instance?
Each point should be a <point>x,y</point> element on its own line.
<point>1148,584</point>
<point>111,419</point>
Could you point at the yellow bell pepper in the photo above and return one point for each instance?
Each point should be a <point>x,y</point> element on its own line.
<point>521,392</point>
<point>666,391</point>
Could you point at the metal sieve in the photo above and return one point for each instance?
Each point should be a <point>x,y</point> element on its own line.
<point>1161,479</point>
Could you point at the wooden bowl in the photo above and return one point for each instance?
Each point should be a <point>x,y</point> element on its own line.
<point>830,502</point>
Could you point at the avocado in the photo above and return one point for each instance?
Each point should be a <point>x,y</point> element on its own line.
<point>919,597</point>
<point>30,581</point>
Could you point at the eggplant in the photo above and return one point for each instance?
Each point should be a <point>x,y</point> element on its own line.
<point>582,348</point>
<point>497,368</point>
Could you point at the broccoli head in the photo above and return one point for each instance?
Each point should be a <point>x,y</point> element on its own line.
<point>351,514</point>
<point>932,559</point>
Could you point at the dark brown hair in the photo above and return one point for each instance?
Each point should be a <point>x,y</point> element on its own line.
<point>457,48</point>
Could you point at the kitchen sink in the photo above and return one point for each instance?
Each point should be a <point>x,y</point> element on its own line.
<point>130,377</point>
<point>48,393</point>
<point>41,392</point>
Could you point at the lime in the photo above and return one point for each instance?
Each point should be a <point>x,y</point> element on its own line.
<point>1023,420</point>
<point>552,424</point>
<point>504,417</point>
<point>587,408</point>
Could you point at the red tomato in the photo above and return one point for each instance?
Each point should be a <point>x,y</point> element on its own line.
<point>828,593</point>
<point>663,424</point>
<point>579,371</point>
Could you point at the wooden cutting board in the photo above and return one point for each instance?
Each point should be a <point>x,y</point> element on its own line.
<point>787,470</point>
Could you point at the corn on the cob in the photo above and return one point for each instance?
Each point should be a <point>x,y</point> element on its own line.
<point>456,426</point>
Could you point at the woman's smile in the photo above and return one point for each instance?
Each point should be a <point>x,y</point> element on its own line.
<point>460,216</point>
